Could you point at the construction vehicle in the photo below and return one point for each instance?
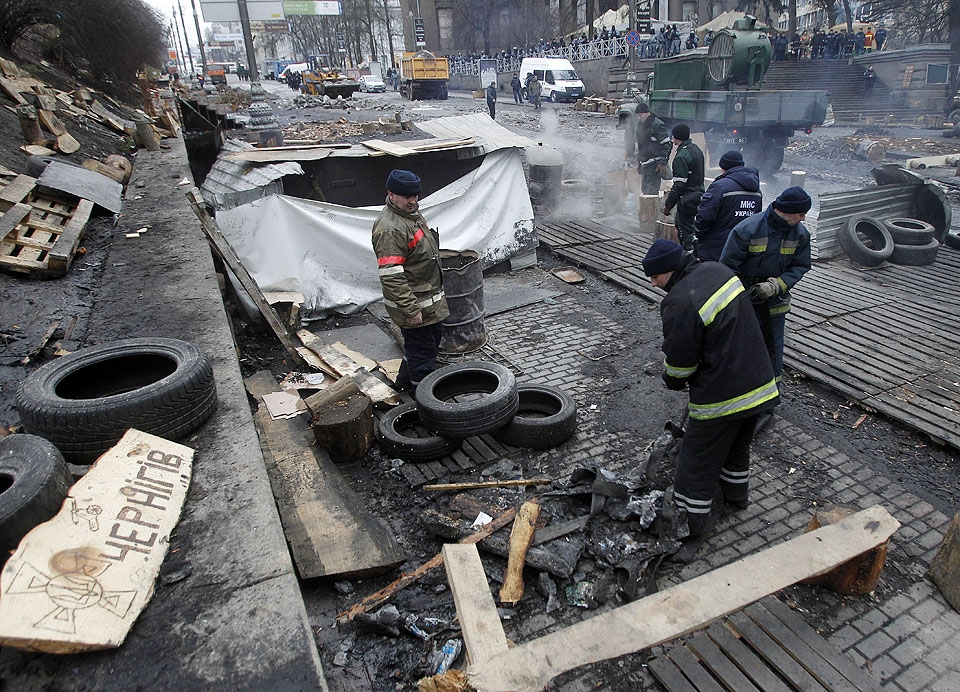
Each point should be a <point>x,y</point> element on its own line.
<point>321,79</point>
<point>424,76</point>
<point>719,91</point>
<point>216,74</point>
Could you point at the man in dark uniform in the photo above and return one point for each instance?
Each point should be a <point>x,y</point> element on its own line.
<point>687,185</point>
<point>653,148</point>
<point>408,260</point>
<point>713,345</point>
<point>492,100</point>
<point>732,197</point>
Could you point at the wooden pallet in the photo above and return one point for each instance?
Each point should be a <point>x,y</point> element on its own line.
<point>764,648</point>
<point>39,233</point>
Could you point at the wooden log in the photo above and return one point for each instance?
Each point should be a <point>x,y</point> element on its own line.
<point>104,169</point>
<point>945,566</point>
<point>341,389</point>
<point>648,214</point>
<point>520,539</point>
<point>30,124</point>
<point>857,576</point>
<point>489,484</point>
<point>145,136</point>
<point>666,229</point>
<point>869,150</point>
<point>345,428</point>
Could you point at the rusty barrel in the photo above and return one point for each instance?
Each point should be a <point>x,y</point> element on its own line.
<point>463,330</point>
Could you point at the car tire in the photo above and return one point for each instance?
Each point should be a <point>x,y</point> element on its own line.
<point>553,97</point>
<point>866,241</point>
<point>954,116</point>
<point>402,436</point>
<point>493,408</point>
<point>952,241</point>
<point>546,417</point>
<point>906,231</point>
<point>915,255</point>
<point>84,402</point>
<point>36,481</point>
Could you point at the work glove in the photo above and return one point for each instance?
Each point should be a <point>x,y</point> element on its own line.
<point>764,290</point>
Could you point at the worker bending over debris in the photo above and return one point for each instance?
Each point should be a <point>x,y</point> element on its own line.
<point>713,345</point>
<point>408,260</point>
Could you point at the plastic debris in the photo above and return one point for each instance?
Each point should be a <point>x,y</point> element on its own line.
<point>445,657</point>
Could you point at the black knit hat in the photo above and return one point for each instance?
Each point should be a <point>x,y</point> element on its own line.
<point>662,257</point>
<point>404,183</point>
<point>730,159</point>
<point>681,131</point>
<point>642,108</point>
<point>793,200</point>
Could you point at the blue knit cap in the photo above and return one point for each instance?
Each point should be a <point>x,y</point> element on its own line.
<point>404,183</point>
<point>793,200</point>
<point>662,257</point>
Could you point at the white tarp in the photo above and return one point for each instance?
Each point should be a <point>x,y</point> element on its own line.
<point>324,251</point>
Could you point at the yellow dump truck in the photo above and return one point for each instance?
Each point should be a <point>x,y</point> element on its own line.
<point>423,76</point>
<point>321,79</point>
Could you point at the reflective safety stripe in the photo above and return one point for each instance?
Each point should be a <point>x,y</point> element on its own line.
<point>719,300</point>
<point>743,402</point>
<point>682,180</point>
<point>417,237</point>
<point>679,373</point>
<point>435,298</point>
<point>742,192</point>
<point>390,259</point>
<point>783,285</point>
<point>789,247</point>
<point>664,140</point>
<point>782,309</point>
<point>652,159</point>
<point>757,245</point>
<point>735,477</point>
<point>691,505</point>
<point>393,269</point>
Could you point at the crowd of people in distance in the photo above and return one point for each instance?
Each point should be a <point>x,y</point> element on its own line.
<point>819,45</point>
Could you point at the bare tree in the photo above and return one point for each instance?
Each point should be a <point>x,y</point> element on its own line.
<point>954,22</point>
<point>914,21</point>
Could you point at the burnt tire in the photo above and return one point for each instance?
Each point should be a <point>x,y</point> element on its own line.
<point>952,240</point>
<point>915,255</point>
<point>492,407</point>
<point>34,480</point>
<point>84,402</point>
<point>403,436</point>
<point>546,417</point>
<point>906,231</point>
<point>866,241</point>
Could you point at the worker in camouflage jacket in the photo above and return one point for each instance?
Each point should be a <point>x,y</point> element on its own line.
<point>653,149</point>
<point>687,185</point>
<point>408,261</point>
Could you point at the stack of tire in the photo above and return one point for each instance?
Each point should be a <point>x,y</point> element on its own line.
<point>474,398</point>
<point>869,242</point>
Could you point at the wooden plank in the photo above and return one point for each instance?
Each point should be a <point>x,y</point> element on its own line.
<point>230,258</point>
<point>11,87</point>
<point>746,660</point>
<point>697,674</point>
<point>12,218</point>
<point>669,676</point>
<point>329,531</point>
<point>79,581</point>
<point>772,653</point>
<point>16,191</point>
<point>109,118</point>
<point>479,622</point>
<point>50,121</point>
<point>683,608</point>
<point>61,255</point>
<point>716,660</point>
<point>391,148</point>
<point>378,391</point>
<point>860,679</point>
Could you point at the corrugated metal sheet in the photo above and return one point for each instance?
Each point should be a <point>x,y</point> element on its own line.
<point>479,126</point>
<point>835,208</point>
<point>231,183</point>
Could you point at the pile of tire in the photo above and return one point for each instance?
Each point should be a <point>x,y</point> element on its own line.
<point>869,242</point>
<point>474,398</point>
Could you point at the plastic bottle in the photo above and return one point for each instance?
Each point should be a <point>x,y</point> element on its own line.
<point>447,655</point>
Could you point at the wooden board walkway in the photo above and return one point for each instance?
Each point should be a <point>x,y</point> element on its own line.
<point>764,648</point>
<point>887,338</point>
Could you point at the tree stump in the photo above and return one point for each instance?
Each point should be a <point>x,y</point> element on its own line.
<point>854,577</point>
<point>30,124</point>
<point>145,136</point>
<point>945,567</point>
<point>345,428</point>
<point>648,213</point>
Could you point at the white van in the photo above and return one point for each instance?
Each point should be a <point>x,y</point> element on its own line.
<point>558,79</point>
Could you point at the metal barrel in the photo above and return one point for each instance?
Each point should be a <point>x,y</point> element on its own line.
<point>463,330</point>
<point>546,183</point>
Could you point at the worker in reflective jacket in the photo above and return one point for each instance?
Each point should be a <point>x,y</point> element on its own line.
<point>713,346</point>
<point>408,260</point>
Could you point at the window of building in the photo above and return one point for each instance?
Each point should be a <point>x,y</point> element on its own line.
<point>937,74</point>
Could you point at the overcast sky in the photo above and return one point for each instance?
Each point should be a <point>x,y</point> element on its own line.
<point>166,7</point>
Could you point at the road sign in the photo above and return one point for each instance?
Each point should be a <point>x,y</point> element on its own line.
<point>633,38</point>
<point>418,31</point>
<point>341,42</point>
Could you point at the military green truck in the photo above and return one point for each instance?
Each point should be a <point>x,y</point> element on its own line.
<point>719,91</point>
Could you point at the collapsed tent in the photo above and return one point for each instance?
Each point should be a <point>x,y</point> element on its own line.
<point>324,250</point>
